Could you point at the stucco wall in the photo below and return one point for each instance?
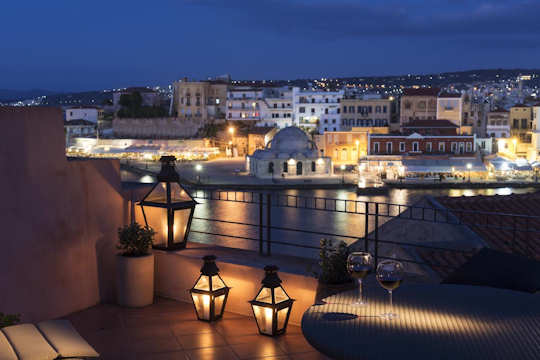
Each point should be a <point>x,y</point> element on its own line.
<point>59,219</point>
<point>157,127</point>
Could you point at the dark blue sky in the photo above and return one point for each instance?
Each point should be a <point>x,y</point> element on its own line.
<point>80,45</point>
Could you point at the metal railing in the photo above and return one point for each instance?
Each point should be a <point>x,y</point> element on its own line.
<point>515,226</point>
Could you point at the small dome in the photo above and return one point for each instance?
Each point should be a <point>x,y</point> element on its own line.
<point>291,140</point>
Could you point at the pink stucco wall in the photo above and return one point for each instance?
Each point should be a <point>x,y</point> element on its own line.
<point>58,219</point>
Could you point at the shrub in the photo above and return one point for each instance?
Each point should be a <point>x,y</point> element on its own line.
<point>333,262</point>
<point>135,240</point>
<point>9,319</point>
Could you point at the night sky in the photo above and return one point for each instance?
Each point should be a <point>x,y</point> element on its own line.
<point>82,45</point>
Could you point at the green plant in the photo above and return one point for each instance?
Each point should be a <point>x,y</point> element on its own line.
<point>135,240</point>
<point>333,262</point>
<point>9,319</point>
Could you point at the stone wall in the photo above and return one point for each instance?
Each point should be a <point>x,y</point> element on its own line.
<point>172,127</point>
<point>59,219</point>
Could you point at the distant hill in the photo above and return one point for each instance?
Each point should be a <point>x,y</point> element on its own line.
<point>13,95</point>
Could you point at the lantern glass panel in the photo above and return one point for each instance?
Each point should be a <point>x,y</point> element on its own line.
<point>218,304</point>
<point>178,194</point>
<point>181,219</point>
<point>203,283</point>
<point>280,295</point>
<point>217,283</point>
<point>282,318</point>
<point>158,194</point>
<point>263,316</point>
<point>202,305</point>
<point>265,295</point>
<point>157,220</point>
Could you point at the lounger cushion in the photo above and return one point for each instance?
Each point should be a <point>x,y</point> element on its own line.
<point>6,351</point>
<point>28,342</point>
<point>66,340</point>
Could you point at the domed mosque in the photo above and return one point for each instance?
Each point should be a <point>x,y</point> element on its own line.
<point>289,154</point>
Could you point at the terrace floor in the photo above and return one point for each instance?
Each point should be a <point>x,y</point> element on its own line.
<point>169,330</point>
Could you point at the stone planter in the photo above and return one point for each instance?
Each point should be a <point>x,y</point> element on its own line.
<point>326,290</point>
<point>135,280</point>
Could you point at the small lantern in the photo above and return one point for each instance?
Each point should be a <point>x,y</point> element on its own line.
<point>209,293</point>
<point>272,306</point>
<point>168,208</point>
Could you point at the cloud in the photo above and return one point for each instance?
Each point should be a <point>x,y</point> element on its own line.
<point>383,18</point>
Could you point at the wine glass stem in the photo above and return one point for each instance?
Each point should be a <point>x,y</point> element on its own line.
<point>360,291</point>
<point>391,305</point>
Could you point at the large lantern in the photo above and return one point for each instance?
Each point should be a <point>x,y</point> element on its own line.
<point>168,208</point>
<point>209,293</point>
<point>272,306</point>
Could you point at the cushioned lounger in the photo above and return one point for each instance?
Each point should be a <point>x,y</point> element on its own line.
<point>6,351</point>
<point>66,340</point>
<point>28,343</point>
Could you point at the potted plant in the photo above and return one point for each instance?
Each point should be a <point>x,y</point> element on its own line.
<point>9,319</point>
<point>333,275</point>
<point>135,266</point>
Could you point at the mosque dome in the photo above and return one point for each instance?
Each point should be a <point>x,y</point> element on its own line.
<point>291,140</point>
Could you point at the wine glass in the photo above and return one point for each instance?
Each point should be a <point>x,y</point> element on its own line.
<point>359,264</point>
<point>390,274</point>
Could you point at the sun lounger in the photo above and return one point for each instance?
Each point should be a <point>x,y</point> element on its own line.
<point>49,340</point>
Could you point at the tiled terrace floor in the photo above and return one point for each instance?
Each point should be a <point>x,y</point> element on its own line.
<point>169,330</point>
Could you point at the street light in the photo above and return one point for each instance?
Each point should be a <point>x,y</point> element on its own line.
<point>198,168</point>
<point>342,167</point>
<point>469,167</point>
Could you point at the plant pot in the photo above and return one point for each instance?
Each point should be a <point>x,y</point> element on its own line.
<point>135,280</point>
<point>326,290</point>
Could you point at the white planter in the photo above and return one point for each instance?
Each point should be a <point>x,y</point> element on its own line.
<point>135,280</point>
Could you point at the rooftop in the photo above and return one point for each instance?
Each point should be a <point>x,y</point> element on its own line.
<point>421,92</point>
<point>450,95</point>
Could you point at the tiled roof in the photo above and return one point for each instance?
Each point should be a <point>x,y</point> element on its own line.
<point>429,123</point>
<point>490,217</point>
<point>421,91</point>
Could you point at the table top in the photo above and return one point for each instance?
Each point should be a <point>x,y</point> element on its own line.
<point>435,322</point>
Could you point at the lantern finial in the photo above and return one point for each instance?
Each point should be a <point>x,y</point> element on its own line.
<point>168,171</point>
<point>209,267</point>
<point>271,278</point>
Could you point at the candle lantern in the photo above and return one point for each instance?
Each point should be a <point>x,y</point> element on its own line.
<point>168,208</point>
<point>209,293</point>
<point>272,306</point>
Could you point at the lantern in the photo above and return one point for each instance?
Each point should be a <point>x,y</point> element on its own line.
<point>168,208</point>
<point>209,293</point>
<point>272,306</point>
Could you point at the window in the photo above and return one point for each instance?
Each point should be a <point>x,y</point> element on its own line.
<point>384,109</point>
<point>376,148</point>
<point>344,109</point>
<point>326,100</point>
<point>402,147</point>
<point>313,166</point>
<point>524,124</point>
<point>313,101</point>
<point>270,167</point>
<point>302,109</point>
<point>313,110</point>
<point>516,124</point>
<point>285,167</point>
<point>441,147</point>
<point>351,109</point>
<point>377,109</point>
<point>469,147</point>
<point>429,147</point>
<point>333,121</point>
<point>275,106</point>
<point>326,111</point>
<point>388,147</point>
<point>483,144</point>
<point>415,146</point>
<point>326,121</point>
<point>454,147</point>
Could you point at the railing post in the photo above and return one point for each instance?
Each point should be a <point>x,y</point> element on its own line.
<point>268,224</point>
<point>261,240</point>
<point>376,235</point>
<point>366,229</point>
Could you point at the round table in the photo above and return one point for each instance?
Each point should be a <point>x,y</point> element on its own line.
<point>435,322</point>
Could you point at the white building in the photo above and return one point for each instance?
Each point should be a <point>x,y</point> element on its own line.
<point>534,152</point>
<point>450,107</point>
<point>87,113</point>
<point>498,124</point>
<point>290,154</point>
<point>78,127</point>
<point>244,103</point>
<point>310,107</point>
<point>277,109</point>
